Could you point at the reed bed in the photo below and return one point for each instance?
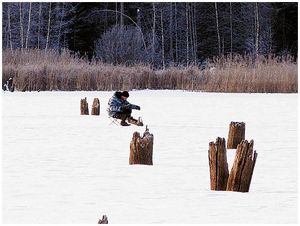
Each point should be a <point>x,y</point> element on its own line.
<point>34,70</point>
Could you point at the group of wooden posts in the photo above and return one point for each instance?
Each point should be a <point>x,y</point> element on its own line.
<point>239,178</point>
<point>84,107</point>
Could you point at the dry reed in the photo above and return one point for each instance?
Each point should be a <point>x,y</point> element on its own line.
<point>34,69</point>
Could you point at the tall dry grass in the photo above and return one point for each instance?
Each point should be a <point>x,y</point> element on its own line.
<point>39,70</point>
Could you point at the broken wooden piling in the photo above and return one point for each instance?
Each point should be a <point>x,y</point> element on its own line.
<point>239,178</point>
<point>84,107</point>
<point>141,148</point>
<point>242,169</point>
<point>218,165</point>
<point>95,107</point>
<point>236,134</point>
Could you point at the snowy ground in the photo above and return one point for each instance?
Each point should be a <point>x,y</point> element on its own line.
<point>60,167</point>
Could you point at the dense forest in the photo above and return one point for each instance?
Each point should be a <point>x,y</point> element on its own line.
<point>157,34</point>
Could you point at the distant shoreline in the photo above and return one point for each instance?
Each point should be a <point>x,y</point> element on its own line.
<point>37,70</point>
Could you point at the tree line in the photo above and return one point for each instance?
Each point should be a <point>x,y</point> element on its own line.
<point>158,34</point>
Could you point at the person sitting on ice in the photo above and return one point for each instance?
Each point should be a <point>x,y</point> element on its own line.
<point>120,108</point>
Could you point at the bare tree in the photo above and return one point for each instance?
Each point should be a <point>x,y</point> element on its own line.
<point>187,33</point>
<point>176,35</point>
<point>162,38</point>
<point>48,29</point>
<point>116,8</point>
<point>39,25</point>
<point>122,12</point>
<point>195,31</point>
<point>230,6</point>
<point>21,26</point>
<point>218,30</point>
<point>171,32</point>
<point>28,26</point>
<point>9,26</point>
<point>153,32</point>
<point>256,29</point>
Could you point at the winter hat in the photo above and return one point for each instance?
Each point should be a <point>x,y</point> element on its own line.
<point>125,94</point>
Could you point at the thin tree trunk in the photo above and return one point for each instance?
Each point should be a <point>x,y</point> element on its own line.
<point>105,21</point>
<point>223,45</point>
<point>187,33</point>
<point>138,17</point>
<point>195,32</point>
<point>60,25</point>
<point>256,30</point>
<point>162,38</point>
<point>9,26</point>
<point>176,35</point>
<point>153,33</point>
<point>21,26</point>
<point>48,30</point>
<point>28,26</point>
<point>116,13</point>
<point>231,31</point>
<point>170,32</point>
<point>122,11</point>
<point>218,31</point>
<point>270,40</point>
<point>39,28</point>
<point>191,41</point>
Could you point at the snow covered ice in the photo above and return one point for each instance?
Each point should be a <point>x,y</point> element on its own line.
<point>62,167</point>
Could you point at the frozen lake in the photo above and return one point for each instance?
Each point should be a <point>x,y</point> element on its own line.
<point>61,167</point>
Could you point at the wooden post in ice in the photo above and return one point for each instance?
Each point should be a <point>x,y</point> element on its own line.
<point>242,169</point>
<point>141,148</point>
<point>84,107</point>
<point>96,107</point>
<point>218,165</point>
<point>236,134</point>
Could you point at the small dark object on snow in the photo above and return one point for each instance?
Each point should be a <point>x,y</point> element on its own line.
<point>9,86</point>
<point>103,220</point>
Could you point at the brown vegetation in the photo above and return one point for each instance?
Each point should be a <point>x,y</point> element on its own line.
<point>49,70</point>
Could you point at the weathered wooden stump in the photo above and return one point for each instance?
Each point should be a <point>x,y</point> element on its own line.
<point>218,165</point>
<point>141,148</point>
<point>242,169</point>
<point>96,107</point>
<point>236,134</point>
<point>104,220</point>
<point>84,107</point>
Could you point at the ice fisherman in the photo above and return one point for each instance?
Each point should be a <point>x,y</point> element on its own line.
<point>120,108</point>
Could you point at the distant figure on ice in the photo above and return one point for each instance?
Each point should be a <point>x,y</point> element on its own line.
<point>9,86</point>
<point>120,108</point>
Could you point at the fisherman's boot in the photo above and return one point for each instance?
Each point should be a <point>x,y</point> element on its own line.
<point>123,122</point>
<point>135,121</point>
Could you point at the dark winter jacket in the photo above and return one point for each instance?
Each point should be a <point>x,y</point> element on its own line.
<point>115,104</point>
